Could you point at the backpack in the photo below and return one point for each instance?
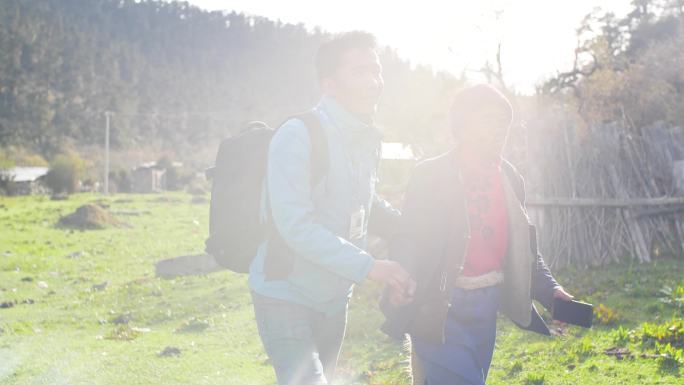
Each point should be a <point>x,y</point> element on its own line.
<point>235,226</point>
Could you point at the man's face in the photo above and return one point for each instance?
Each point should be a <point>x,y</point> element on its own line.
<point>357,83</point>
<point>484,133</point>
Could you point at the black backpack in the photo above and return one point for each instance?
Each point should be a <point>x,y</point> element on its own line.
<point>235,226</point>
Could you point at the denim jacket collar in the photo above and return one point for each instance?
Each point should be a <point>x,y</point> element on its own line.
<point>355,132</point>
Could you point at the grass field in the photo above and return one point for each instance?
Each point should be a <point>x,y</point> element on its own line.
<point>84,307</point>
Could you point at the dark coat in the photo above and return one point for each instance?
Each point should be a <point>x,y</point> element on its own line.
<point>434,224</point>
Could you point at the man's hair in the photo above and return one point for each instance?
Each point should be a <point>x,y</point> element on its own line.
<point>330,53</point>
<point>478,99</point>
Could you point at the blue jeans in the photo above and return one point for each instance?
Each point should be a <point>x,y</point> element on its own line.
<point>302,344</point>
<point>470,332</point>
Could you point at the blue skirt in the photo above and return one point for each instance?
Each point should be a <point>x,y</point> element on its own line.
<point>470,332</point>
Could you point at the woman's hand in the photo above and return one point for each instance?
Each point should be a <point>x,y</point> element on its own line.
<point>560,293</point>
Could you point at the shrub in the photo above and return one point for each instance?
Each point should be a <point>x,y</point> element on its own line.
<point>671,333</point>
<point>583,349</point>
<point>516,368</point>
<point>605,315</point>
<point>121,181</point>
<point>176,178</point>
<point>33,160</point>
<point>5,160</point>
<point>65,172</point>
<point>535,379</point>
<point>7,185</point>
<point>674,297</point>
<point>622,336</point>
<point>670,358</point>
<point>16,156</point>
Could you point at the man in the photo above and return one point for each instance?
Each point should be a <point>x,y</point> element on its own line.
<point>301,316</point>
<point>467,241</point>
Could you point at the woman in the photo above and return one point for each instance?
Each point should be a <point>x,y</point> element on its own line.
<point>467,241</point>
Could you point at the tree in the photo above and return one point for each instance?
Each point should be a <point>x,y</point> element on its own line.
<point>627,69</point>
<point>178,79</point>
<point>65,173</point>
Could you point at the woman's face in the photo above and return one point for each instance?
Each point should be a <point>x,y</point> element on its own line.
<point>483,133</point>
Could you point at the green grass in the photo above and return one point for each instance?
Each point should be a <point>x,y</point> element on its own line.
<point>67,335</point>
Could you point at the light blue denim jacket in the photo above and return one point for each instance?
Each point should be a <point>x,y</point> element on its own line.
<point>315,222</point>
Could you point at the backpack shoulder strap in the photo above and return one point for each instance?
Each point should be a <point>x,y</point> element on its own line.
<point>279,257</point>
<point>319,145</point>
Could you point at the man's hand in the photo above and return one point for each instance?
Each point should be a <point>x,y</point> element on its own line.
<point>401,298</point>
<point>393,275</point>
<point>560,293</point>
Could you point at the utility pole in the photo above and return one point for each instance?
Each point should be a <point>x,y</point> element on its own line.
<point>106,176</point>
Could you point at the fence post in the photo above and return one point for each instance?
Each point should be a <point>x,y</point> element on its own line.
<point>678,183</point>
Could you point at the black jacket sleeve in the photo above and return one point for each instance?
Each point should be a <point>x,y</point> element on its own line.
<point>403,249</point>
<point>543,283</point>
<point>405,240</point>
<point>384,219</point>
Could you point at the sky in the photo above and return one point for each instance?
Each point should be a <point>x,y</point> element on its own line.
<point>537,37</point>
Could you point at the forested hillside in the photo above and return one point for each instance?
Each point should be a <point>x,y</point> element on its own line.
<point>175,77</point>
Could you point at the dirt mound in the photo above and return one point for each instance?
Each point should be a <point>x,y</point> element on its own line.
<point>89,216</point>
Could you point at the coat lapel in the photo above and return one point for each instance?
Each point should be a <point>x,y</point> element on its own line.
<point>518,263</point>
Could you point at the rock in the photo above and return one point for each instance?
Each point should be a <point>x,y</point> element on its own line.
<point>619,353</point>
<point>122,319</point>
<point>187,265</point>
<point>77,254</point>
<point>123,333</point>
<point>42,285</point>
<point>193,325</point>
<point>7,304</point>
<point>169,351</point>
<point>652,356</point>
<point>139,281</point>
<point>101,286</point>
<point>14,302</point>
